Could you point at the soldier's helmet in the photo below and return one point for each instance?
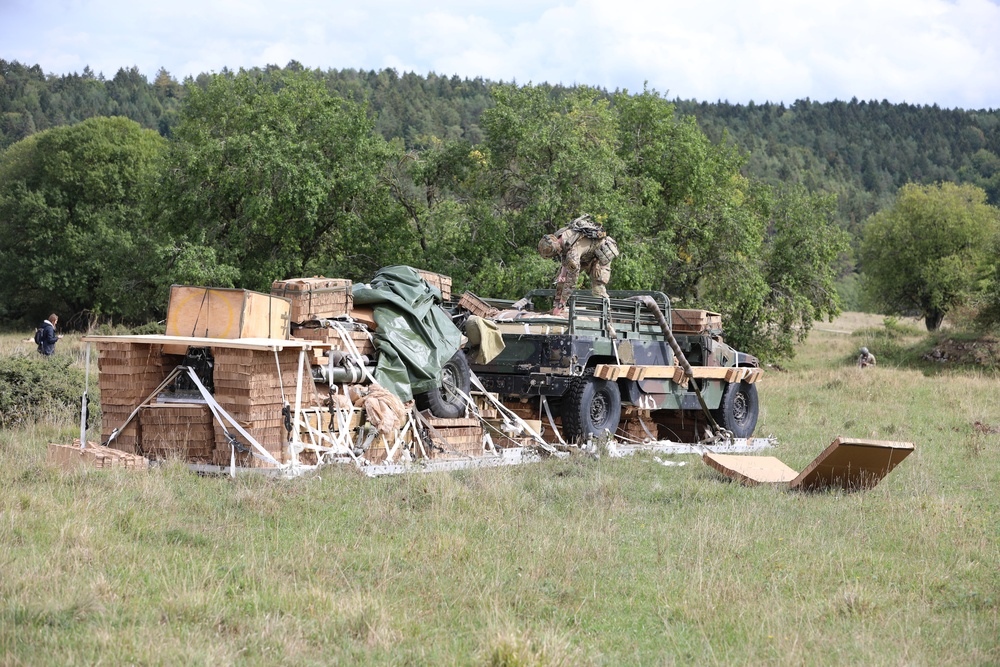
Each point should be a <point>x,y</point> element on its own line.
<point>549,246</point>
<point>864,350</point>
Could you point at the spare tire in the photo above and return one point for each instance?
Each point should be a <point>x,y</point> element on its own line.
<point>445,402</point>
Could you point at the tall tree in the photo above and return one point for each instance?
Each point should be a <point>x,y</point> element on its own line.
<point>930,250</point>
<point>686,200</point>
<point>72,232</point>
<point>789,283</point>
<point>280,177</point>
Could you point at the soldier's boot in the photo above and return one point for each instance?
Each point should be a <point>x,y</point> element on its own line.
<point>558,308</point>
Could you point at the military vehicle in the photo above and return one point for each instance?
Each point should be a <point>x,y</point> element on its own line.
<point>628,351</point>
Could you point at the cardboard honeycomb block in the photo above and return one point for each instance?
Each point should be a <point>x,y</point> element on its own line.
<point>477,306</point>
<point>93,456</point>
<point>361,338</point>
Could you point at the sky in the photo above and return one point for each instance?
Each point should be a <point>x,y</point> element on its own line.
<point>944,52</point>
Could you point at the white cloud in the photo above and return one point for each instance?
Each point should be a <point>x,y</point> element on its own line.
<point>919,51</point>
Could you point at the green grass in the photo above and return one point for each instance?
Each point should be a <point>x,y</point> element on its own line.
<point>566,562</point>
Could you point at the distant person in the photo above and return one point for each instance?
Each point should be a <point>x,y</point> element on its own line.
<point>46,337</point>
<point>866,358</point>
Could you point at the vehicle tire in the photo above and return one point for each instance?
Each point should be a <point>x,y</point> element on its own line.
<point>590,407</point>
<point>445,402</point>
<point>737,412</point>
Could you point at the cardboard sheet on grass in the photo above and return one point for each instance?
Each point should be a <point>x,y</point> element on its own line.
<point>415,337</point>
<point>850,464</point>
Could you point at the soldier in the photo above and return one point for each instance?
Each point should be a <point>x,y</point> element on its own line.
<point>581,244</point>
<point>866,359</point>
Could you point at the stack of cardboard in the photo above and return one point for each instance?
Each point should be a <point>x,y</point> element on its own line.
<point>357,333</point>
<point>455,438</point>
<point>315,298</point>
<point>252,386</point>
<point>129,372</point>
<point>178,430</point>
<point>94,456</point>
<point>679,425</point>
<point>631,428</point>
<point>503,438</point>
<point>487,408</point>
<point>477,306</point>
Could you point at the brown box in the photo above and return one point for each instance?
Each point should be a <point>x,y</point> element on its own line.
<point>442,282</point>
<point>211,312</point>
<point>694,321</point>
<point>315,298</point>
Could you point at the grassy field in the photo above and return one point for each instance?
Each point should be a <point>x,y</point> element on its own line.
<point>566,562</point>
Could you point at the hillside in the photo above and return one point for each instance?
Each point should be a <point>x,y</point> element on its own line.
<point>862,151</point>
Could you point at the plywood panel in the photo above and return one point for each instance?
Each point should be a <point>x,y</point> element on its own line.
<point>852,464</point>
<point>750,470</point>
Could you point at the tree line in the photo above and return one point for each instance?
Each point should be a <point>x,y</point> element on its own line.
<point>239,178</point>
<point>272,173</point>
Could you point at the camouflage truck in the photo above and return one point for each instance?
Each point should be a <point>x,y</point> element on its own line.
<point>630,353</point>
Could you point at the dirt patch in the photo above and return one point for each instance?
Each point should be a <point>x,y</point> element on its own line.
<point>981,352</point>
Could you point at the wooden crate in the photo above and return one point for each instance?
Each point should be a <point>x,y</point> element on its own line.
<point>438,280</point>
<point>687,320</point>
<point>315,298</point>
<point>211,312</point>
<point>477,306</point>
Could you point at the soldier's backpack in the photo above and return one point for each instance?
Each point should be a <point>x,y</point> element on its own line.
<point>588,227</point>
<point>607,250</point>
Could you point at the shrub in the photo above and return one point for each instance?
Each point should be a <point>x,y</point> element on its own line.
<point>34,386</point>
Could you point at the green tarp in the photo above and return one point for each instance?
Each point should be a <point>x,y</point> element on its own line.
<point>414,336</point>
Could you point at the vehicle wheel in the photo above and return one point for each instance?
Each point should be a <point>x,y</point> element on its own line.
<point>590,407</point>
<point>445,402</point>
<point>737,412</point>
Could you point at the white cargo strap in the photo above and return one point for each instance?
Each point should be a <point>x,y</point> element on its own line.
<point>552,422</point>
<point>652,437</point>
<point>170,377</point>
<point>85,401</point>
<point>220,414</point>
<point>511,415</point>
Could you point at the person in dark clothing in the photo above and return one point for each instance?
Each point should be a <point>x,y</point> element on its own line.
<point>46,336</point>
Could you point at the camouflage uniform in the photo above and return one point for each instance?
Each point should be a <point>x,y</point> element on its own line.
<point>866,358</point>
<point>578,251</point>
